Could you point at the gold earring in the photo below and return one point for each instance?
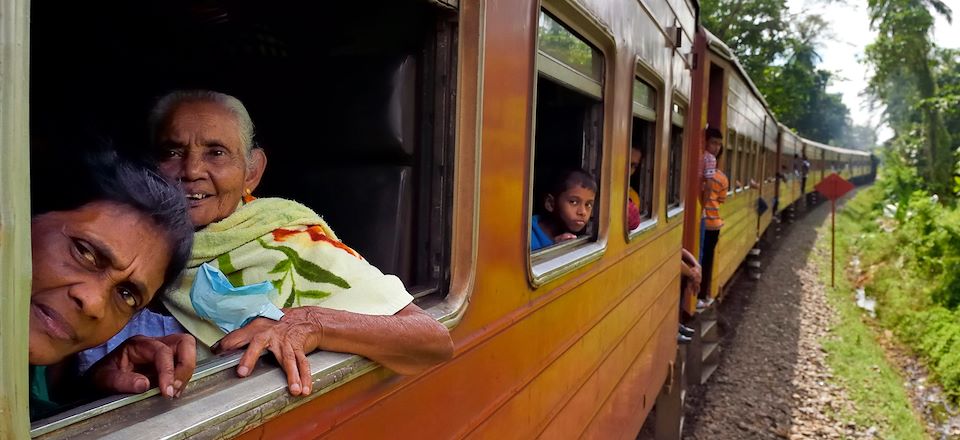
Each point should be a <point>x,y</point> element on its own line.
<point>248,197</point>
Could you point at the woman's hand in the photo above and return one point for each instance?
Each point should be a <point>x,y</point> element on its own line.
<point>170,359</point>
<point>290,340</point>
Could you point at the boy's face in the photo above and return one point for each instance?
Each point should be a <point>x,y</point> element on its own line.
<point>574,207</point>
<point>714,145</point>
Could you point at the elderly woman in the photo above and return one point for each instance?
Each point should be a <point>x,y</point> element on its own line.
<point>332,298</point>
<point>102,249</point>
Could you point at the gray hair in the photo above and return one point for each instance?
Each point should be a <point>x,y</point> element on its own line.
<point>161,110</point>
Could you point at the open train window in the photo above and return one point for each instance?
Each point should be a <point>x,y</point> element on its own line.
<point>770,165</point>
<point>353,104</point>
<point>752,166</point>
<point>729,158</point>
<point>643,141</point>
<point>675,161</point>
<point>740,163</point>
<point>567,141</point>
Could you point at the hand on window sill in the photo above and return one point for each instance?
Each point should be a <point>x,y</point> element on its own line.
<point>169,359</point>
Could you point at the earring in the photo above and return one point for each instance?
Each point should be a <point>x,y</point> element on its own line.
<point>248,197</point>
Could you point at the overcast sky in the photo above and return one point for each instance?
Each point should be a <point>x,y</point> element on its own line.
<point>843,52</point>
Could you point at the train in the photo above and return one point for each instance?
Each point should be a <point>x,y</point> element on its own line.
<point>423,131</point>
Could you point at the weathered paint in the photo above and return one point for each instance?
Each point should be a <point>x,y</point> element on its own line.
<point>15,272</point>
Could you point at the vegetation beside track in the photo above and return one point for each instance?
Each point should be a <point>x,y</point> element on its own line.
<point>857,359</point>
<point>908,244</point>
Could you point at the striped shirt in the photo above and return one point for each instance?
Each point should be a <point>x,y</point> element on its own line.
<point>708,165</point>
<point>716,194</point>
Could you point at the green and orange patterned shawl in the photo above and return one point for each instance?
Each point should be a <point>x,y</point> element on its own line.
<point>286,243</point>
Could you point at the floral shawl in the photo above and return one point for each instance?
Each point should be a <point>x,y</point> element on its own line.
<point>286,243</point>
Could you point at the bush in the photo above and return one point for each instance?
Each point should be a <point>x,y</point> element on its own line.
<point>908,241</point>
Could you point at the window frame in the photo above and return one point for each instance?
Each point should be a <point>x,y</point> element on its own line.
<point>730,159</point>
<point>548,264</point>
<point>741,155</point>
<point>328,369</point>
<point>677,119</point>
<point>646,74</point>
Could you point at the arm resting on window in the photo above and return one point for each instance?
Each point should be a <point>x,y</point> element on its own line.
<point>407,342</point>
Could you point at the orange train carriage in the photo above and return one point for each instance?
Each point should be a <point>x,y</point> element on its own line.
<point>422,130</point>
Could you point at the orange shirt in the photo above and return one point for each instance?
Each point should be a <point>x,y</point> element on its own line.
<point>716,194</point>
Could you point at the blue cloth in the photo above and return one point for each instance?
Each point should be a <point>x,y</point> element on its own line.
<point>145,323</point>
<point>538,238</point>
<point>230,308</point>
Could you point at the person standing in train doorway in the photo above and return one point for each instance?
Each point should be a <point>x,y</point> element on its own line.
<point>714,192</point>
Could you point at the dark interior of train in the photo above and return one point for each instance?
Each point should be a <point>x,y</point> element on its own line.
<point>675,167</point>
<point>643,138</point>
<point>567,137</point>
<point>353,103</point>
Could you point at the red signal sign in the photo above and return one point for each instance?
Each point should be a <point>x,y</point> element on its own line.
<point>833,186</point>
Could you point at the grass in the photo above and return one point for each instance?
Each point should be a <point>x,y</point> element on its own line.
<point>857,359</point>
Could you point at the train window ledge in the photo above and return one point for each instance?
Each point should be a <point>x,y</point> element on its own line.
<point>217,402</point>
<point>553,262</point>
<point>644,227</point>
<point>675,211</point>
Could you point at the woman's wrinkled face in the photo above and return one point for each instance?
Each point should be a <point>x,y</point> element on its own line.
<point>93,268</point>
<point>199,146</point>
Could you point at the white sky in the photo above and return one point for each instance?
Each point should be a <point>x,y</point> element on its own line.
<point>842,53</point>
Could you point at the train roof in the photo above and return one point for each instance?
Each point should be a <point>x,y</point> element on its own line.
<point>836,149</point>
<point>720,48</point>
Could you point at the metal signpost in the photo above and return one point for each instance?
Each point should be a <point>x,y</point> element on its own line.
<point>833,187</point>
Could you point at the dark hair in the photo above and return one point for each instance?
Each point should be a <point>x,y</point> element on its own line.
<point>714,133</point>
<point>572,178</point>
<point>105,176</point>
<point>719,153</point>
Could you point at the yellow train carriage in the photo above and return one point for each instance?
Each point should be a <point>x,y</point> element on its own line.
<point>791,148</point>
<point>735,105</point>
<point>575,340</point>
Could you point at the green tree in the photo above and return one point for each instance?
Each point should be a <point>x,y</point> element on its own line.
<point>779,53</point>
<point>756,30</point>
<point>905,81</point>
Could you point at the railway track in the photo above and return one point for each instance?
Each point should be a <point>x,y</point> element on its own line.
<point>772,380</point>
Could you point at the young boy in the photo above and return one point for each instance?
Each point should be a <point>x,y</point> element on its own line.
<point>715,193</point>
<point>568,207</point>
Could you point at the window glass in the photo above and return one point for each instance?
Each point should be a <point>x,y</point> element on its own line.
<point>675,160</point>
<point>560,43</point>
<point>567,139</point>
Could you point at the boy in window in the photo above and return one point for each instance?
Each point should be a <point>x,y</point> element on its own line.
<point>567,207</point>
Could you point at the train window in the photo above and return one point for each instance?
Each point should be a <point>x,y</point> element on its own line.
<point>742,160</point>
<point>675,161</point>
<point>729,158</point>
<point>643,143</point>
<point>770,168</point>
<point>567,139</point>
<point>736,160</point>
<point>356,113</point>
<point>747,163</point>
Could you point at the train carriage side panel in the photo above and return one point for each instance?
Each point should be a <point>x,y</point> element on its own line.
<point>744,115</point>
<point>768,181</point>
